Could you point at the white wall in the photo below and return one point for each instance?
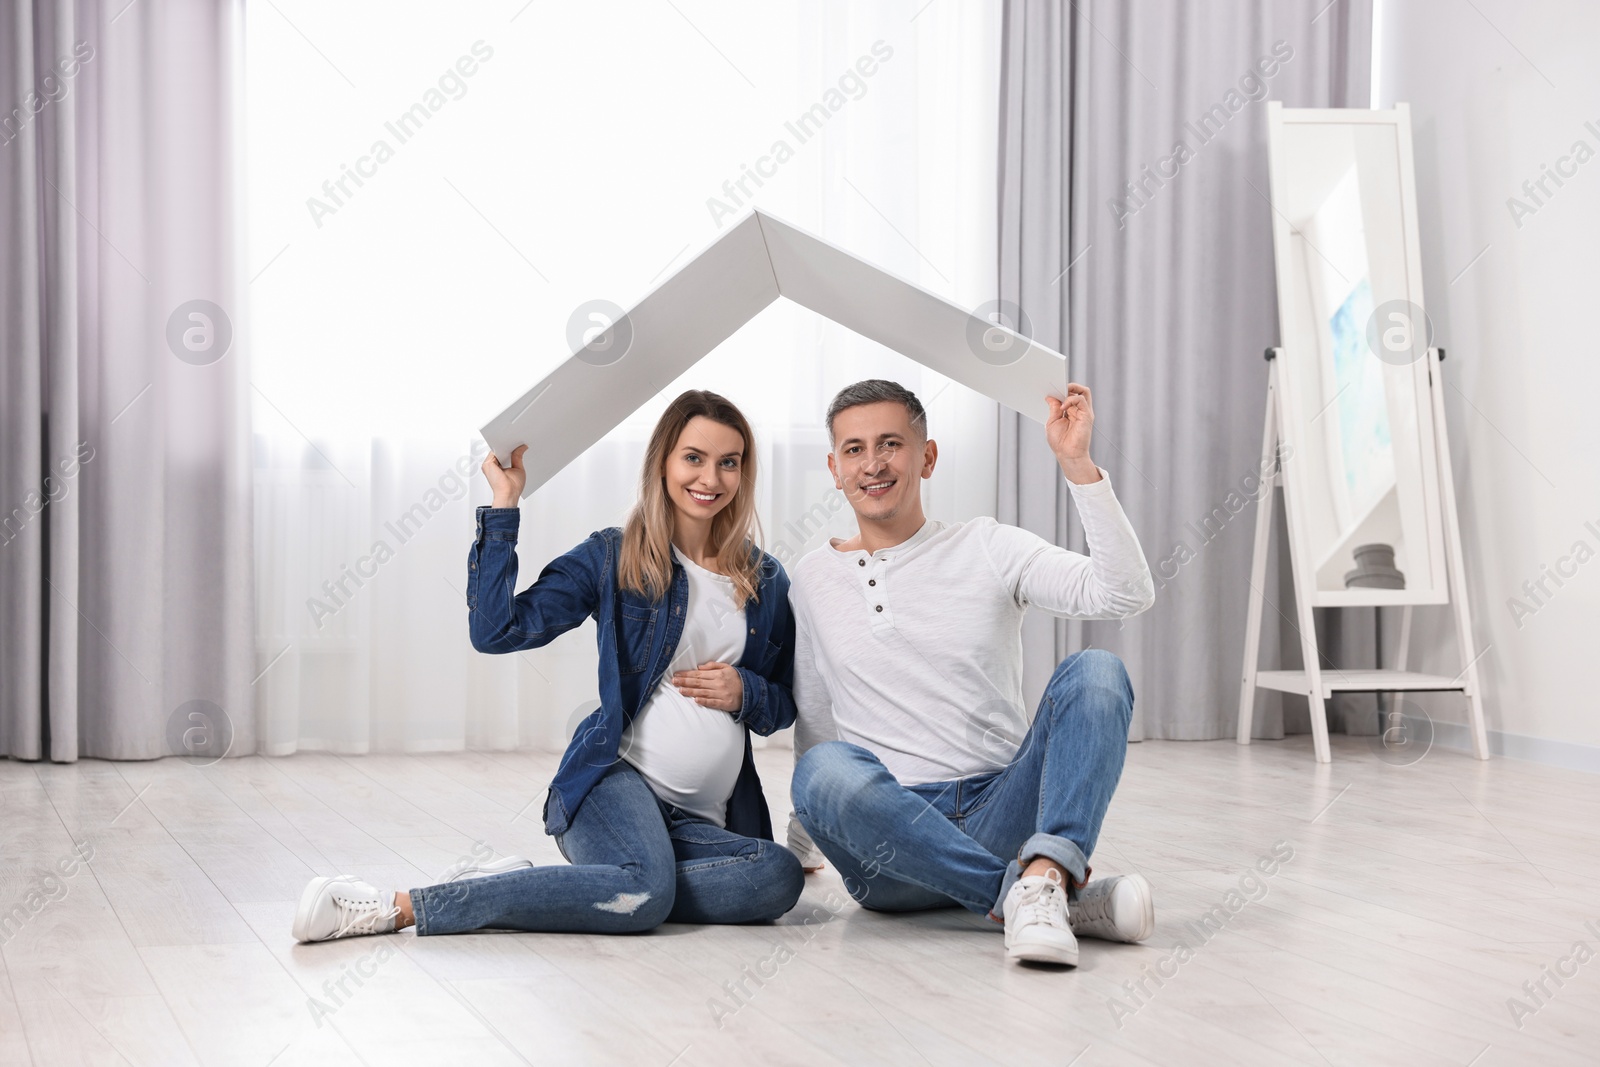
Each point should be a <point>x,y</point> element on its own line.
<point>1490,105</point>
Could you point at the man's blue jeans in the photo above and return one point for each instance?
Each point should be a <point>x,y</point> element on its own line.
<point>907,848</point>
<point>635,862</point>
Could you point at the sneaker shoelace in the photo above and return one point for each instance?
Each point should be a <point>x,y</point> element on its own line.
<point>1092,910</point>
<point>1042,903</point>
<point>362,917</point>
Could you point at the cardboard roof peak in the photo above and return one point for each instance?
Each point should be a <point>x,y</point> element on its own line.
<point>730,282</point>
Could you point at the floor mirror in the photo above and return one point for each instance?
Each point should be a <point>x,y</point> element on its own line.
<point>1355,428</point>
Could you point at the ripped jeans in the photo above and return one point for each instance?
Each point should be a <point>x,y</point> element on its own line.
<point>636,862</point>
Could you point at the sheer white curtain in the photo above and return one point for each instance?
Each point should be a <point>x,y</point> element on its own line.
<point>568,153</point>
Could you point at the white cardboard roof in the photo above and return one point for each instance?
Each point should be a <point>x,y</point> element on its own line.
<point>758,260</point>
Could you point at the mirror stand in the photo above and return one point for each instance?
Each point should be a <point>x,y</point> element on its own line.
<point>1319,679</point>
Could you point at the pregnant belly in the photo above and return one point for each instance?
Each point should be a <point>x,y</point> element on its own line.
<point>685,747</point>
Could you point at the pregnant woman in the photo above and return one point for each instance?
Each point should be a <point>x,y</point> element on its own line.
<point>656,803</point>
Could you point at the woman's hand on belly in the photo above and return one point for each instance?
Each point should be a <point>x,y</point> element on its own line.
<point>713,685</point>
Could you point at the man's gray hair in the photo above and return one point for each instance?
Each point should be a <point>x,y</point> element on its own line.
<point>877,391</point>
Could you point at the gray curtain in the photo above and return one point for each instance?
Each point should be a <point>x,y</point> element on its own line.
<point>1150,266</point>
<point>125,555</point>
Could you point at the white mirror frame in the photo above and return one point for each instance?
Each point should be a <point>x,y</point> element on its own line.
<point>1436,589</point>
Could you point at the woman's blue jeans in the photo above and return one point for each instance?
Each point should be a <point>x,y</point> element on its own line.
<point>636,862</point>
<point>907,848</point>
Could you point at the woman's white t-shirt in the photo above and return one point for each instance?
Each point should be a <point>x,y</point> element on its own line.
<point>691,754</point>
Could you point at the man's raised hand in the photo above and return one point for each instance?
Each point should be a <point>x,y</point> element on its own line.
<point>1068,429</point>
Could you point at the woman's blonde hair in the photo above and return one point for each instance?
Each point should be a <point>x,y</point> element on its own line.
<point>645,565</point>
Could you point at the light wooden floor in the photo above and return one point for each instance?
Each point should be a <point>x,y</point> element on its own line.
<point>1418,901</point>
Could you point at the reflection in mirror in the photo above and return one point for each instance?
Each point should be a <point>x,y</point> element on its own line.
<point>1354,339</point>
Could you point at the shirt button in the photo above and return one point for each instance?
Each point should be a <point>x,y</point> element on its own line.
<point>872,581</point>
<point>861,562</point>
<point>880,607</point>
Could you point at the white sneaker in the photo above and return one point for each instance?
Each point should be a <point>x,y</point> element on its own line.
<point>474,868</point>
<point>1122,908</point>
<point>343,906</point>
<point>1037,927</point>
<point>805,850</point>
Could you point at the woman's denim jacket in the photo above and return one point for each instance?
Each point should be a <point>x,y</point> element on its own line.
<point>637,638</point>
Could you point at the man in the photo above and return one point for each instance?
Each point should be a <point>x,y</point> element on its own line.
<point>916,774</point>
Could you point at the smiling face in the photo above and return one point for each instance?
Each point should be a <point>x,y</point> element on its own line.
<point>879,460</point>
<point>704,468</point>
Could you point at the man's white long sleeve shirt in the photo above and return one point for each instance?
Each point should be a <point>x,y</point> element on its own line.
<point>915,652</point>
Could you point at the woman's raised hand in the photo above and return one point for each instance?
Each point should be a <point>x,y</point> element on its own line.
<point>715,685</point>
<point>506,482</point>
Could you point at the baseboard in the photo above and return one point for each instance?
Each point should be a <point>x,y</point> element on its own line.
<point>1567,754</point>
